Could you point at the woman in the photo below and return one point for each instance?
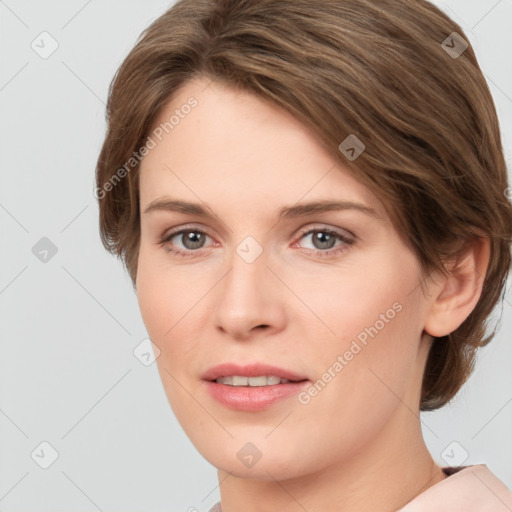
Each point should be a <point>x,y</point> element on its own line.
<point>310,199</point>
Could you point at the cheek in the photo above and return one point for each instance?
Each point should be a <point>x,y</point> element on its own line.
<point>160,293</point>
<point>163,304</point>
<point>152,298</point>
<point>159,299</point>
<point>363,300</point>
<point>170,305</point>
<point>374,327</point>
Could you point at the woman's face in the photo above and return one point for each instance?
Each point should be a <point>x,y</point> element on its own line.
<point>330,297</point>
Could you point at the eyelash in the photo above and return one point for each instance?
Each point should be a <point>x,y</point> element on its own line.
<point>347,242</point>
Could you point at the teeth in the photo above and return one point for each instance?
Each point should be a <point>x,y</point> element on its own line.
<point>239,381</point>
<point>272,379</point>
<point>263,380</point>
<point>257,381</point>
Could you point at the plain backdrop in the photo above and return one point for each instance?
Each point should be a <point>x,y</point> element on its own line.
<point>70,320</point>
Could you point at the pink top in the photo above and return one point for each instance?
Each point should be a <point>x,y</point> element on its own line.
<point>466,489</point>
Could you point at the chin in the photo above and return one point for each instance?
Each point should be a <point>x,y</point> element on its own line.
<point>251,456</point>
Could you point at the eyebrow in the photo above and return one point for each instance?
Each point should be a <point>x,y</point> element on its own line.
<point>287,212</point>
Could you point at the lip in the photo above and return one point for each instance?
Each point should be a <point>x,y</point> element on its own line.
<point>251,398</point>
<point>250,370</point>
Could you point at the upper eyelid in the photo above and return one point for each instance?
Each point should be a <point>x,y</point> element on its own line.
<point>326,227</point>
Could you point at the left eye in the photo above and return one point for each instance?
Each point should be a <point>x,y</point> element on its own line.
<point>325,238</point>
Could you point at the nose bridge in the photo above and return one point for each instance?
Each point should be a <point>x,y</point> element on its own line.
<point>247,298</point>
<point>248,270</point>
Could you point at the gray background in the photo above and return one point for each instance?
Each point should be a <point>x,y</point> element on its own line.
<point>68,375</point>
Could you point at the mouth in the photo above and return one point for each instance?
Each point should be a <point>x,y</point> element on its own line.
<point>258,381</point>
<point>252,387</point>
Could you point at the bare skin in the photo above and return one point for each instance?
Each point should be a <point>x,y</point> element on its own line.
<point>357,444</point>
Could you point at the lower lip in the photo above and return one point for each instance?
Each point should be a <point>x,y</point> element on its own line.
<point>249,398</point>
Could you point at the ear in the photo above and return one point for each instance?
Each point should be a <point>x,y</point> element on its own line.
<point>456,295</point>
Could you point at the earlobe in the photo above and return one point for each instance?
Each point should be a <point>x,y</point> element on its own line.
<point>460,291</point>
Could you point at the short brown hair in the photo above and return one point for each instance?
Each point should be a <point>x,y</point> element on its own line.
<point>376,69</point>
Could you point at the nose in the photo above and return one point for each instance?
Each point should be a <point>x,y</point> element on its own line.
<point>250,299</point>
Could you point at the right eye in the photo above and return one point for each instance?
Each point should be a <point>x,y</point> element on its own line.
<point>191,239</point>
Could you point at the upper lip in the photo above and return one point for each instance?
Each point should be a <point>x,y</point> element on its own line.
<point>249,370</point>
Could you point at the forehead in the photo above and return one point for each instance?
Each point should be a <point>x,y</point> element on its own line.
<point>232,143</point>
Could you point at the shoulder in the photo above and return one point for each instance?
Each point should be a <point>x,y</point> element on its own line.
<point>469,488</point>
